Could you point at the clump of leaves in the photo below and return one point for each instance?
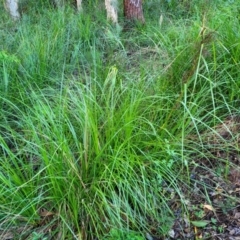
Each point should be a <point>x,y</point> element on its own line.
<point>9,58</point>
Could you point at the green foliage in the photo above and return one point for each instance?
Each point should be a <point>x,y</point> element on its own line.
<point>123,235</point>
<point>95,121</point>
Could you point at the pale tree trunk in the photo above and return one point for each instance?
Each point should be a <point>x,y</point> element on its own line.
<point>79,5</point>
<point>12,6</point>
<point>133,10</point>
<point>111,8</point>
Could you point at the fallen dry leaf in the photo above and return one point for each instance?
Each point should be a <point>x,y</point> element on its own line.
<point>208,207</point>
<point>45,213</point>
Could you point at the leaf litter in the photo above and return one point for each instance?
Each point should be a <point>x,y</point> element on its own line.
<point>213,201</point>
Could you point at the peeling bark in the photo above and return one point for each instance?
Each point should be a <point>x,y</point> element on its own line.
<point>133,10</point>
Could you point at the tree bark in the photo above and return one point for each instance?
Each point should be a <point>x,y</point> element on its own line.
<point>111,7</point>
<point>12,6</point>
<point>133,10</point>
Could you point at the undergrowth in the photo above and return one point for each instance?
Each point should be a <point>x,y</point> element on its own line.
<point>95,121</point>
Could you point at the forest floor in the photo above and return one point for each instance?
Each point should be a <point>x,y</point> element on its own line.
<point>217,217</point>
<point>213,199</point>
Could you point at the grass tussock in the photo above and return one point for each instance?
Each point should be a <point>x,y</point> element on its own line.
<point>100,127</point>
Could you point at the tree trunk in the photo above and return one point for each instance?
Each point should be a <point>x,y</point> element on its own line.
<point>133,10</point>
<point>12,6</point>
<point>111,7</point>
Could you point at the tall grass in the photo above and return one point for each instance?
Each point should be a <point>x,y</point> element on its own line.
<point>94,121</point>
